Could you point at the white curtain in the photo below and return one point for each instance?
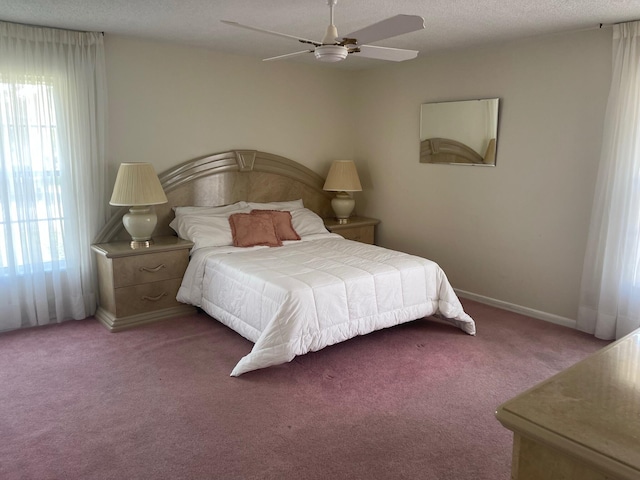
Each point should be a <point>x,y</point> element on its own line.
<point>610,293</point>
<point>52,172</point>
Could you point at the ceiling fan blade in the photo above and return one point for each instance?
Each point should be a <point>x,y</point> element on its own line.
<point>280,57</point>
<point>384,53</point>
<point>277,34</point>
<point>391,27</point>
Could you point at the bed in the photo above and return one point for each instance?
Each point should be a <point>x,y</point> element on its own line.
<point>264,265</point>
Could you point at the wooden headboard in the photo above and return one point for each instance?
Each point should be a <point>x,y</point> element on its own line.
<point>229,177</point>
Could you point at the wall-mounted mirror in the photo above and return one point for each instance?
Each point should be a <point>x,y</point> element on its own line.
<point>459,133</point>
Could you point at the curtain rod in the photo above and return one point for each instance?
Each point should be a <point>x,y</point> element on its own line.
<point>617,23</point>
<point>53,28</point>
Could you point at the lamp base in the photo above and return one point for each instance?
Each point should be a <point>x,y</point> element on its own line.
<point>343,204</point>
<point>140,222</point>
<point>141,243</point>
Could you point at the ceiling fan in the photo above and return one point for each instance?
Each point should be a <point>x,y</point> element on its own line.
<point>334,49</point>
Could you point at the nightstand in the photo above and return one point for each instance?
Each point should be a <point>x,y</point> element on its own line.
<point>360,229</point>
<point>139,286</point>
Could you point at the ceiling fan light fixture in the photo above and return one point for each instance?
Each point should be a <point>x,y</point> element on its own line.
<point>331,53</point>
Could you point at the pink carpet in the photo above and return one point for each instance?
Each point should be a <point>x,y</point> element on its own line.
<point>156,402</point>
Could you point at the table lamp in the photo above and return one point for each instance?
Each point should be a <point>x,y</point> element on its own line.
<point>137,186</point>
<point>343,178</point>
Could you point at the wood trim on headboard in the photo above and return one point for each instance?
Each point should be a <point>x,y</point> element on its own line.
<point>228,177</point>
<point>446,150</point>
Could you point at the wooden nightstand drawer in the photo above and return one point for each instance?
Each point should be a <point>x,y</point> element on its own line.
<point>147,297</point>
<point>359,234</point>
<point>151,267</point>
<point>359,229</point>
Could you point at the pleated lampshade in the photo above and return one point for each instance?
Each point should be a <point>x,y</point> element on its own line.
<point>342,177</point>
<point>137,184</point>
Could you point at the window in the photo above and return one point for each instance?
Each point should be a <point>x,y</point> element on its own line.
<point>31,211</point>
<point>52,172</point>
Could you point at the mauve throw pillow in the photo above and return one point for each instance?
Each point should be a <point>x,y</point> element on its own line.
<point>282,221</point>
<point>251,230</point>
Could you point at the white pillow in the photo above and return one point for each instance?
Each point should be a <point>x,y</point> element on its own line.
<point>210,210</point>
<point>206,230</point>
<point>289,205</point>
<point>305,222</point>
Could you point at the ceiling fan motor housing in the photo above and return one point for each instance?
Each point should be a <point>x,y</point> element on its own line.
<point>331,53</point>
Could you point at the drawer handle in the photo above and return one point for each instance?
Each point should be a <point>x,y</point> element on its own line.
<point>154,269</point>
<point>154,299</point>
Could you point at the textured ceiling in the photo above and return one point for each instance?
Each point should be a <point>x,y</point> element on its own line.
<point>450,24</point>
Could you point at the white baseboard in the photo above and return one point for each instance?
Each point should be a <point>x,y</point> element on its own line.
<point>529,312</point>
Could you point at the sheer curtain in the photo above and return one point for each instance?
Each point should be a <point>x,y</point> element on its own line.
<point>52,172</point>
<point>610,293</point>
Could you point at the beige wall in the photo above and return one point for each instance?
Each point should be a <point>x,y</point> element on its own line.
<point>517,232</point>
<point>170,103</point>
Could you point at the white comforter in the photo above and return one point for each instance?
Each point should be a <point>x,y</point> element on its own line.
<point>307,295</point>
